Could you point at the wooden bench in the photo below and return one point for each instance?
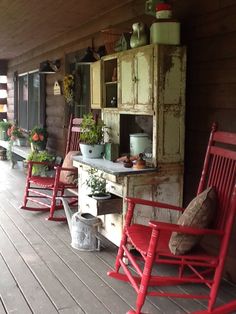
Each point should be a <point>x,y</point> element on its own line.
<point>18,151</point>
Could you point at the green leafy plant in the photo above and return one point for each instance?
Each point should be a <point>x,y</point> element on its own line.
<point>92,130</point>
<point>4,126</point>
<point>42,156</point>
<point>96,183</point>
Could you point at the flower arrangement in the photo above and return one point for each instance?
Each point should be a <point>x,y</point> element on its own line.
<point>15,135</point>
<point>38,137</point>
<point>15,132</point>
<point>68,87</point>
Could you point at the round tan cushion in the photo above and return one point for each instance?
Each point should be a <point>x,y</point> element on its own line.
<point>199,214</point>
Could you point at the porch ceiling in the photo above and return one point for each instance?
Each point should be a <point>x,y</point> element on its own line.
<point>28,24</point>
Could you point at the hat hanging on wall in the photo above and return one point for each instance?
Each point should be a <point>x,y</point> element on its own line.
<point>49,67</point>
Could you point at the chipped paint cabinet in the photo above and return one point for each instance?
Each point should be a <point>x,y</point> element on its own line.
<point>149,86</point>
<point>95,85</point>
<point>135,87</point>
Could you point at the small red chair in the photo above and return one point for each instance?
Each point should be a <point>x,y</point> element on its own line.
<point>151,243</point>
<point>44,191</point>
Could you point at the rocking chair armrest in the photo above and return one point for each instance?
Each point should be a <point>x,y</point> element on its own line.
<point>184,229</point>
<point>69,169</point>
<point>45,163</point>
<point>153,203</point>
<point>65,169</point>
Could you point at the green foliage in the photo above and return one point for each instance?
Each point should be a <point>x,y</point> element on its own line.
<point>5,125</point>
<point>96,183</point>
<point>40,157</point>
<point>92,131</point>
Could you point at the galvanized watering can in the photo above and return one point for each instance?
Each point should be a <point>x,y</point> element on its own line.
<point>83,229</point>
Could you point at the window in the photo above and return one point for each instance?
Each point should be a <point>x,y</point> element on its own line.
<point>29,102</point>
<point>3,93</point>
<point>82,89</point>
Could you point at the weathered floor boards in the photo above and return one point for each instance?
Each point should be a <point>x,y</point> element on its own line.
<point>41,273</point>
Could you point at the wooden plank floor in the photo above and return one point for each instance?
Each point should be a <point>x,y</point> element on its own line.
<point>41,273</point>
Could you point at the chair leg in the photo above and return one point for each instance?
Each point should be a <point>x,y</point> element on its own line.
<point>26,193</point>
<point>53,208</point>
<point>147,272</point>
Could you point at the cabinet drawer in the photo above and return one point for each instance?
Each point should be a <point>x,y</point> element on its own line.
<point>112,228</point>
<point>102,207</point>
<point>114,188</point>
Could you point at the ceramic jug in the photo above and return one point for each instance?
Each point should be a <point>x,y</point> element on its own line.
<point>139,36</point>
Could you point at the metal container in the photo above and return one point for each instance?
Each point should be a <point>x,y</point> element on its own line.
<point>139,143</point>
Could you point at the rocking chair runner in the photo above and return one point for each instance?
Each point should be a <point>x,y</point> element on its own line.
<point>152,242</point>
<point>44,191</point>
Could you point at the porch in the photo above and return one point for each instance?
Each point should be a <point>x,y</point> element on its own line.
<point>41,273</point>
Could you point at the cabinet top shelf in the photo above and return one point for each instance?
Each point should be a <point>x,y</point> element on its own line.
<point>111,83</point>
<point>110,167</point>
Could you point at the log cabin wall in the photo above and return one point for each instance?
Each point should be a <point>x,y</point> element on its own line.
<point>208,31</point>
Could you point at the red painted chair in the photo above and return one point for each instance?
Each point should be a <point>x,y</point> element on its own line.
<point>43,191</point>
<point>152,242</point>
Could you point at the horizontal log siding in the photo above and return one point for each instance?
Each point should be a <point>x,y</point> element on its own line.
<point>209,31</point>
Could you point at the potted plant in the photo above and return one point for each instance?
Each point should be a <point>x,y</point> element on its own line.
<point>16,135</point>
<point>40,156</point>
<point>97,185</point>
<point>4,126</point>
<point>92,137</point>
<point>38,138</point>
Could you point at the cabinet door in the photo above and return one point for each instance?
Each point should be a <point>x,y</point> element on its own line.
<point>136,79</point>
<point>96,95</point>
<point>126,81</point>
<point>143,79</point>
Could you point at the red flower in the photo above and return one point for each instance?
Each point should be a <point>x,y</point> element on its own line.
<point>35,137</point>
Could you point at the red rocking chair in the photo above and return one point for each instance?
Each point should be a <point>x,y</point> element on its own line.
<point>151,244</point>
<point>44,191</point>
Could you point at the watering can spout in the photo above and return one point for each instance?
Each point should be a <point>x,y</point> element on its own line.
<point>68,212</point>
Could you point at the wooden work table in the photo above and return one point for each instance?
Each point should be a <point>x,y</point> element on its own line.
<point>150,183</point>
<point>114,168</point>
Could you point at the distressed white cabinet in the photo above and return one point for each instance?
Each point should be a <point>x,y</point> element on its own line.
<point>149,85</point>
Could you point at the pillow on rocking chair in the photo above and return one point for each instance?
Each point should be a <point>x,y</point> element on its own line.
<point>199,214</point>
<point>68,177</point>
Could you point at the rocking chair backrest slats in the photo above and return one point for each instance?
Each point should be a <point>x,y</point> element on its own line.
<point>220,171</point>
<point>73,135</point>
